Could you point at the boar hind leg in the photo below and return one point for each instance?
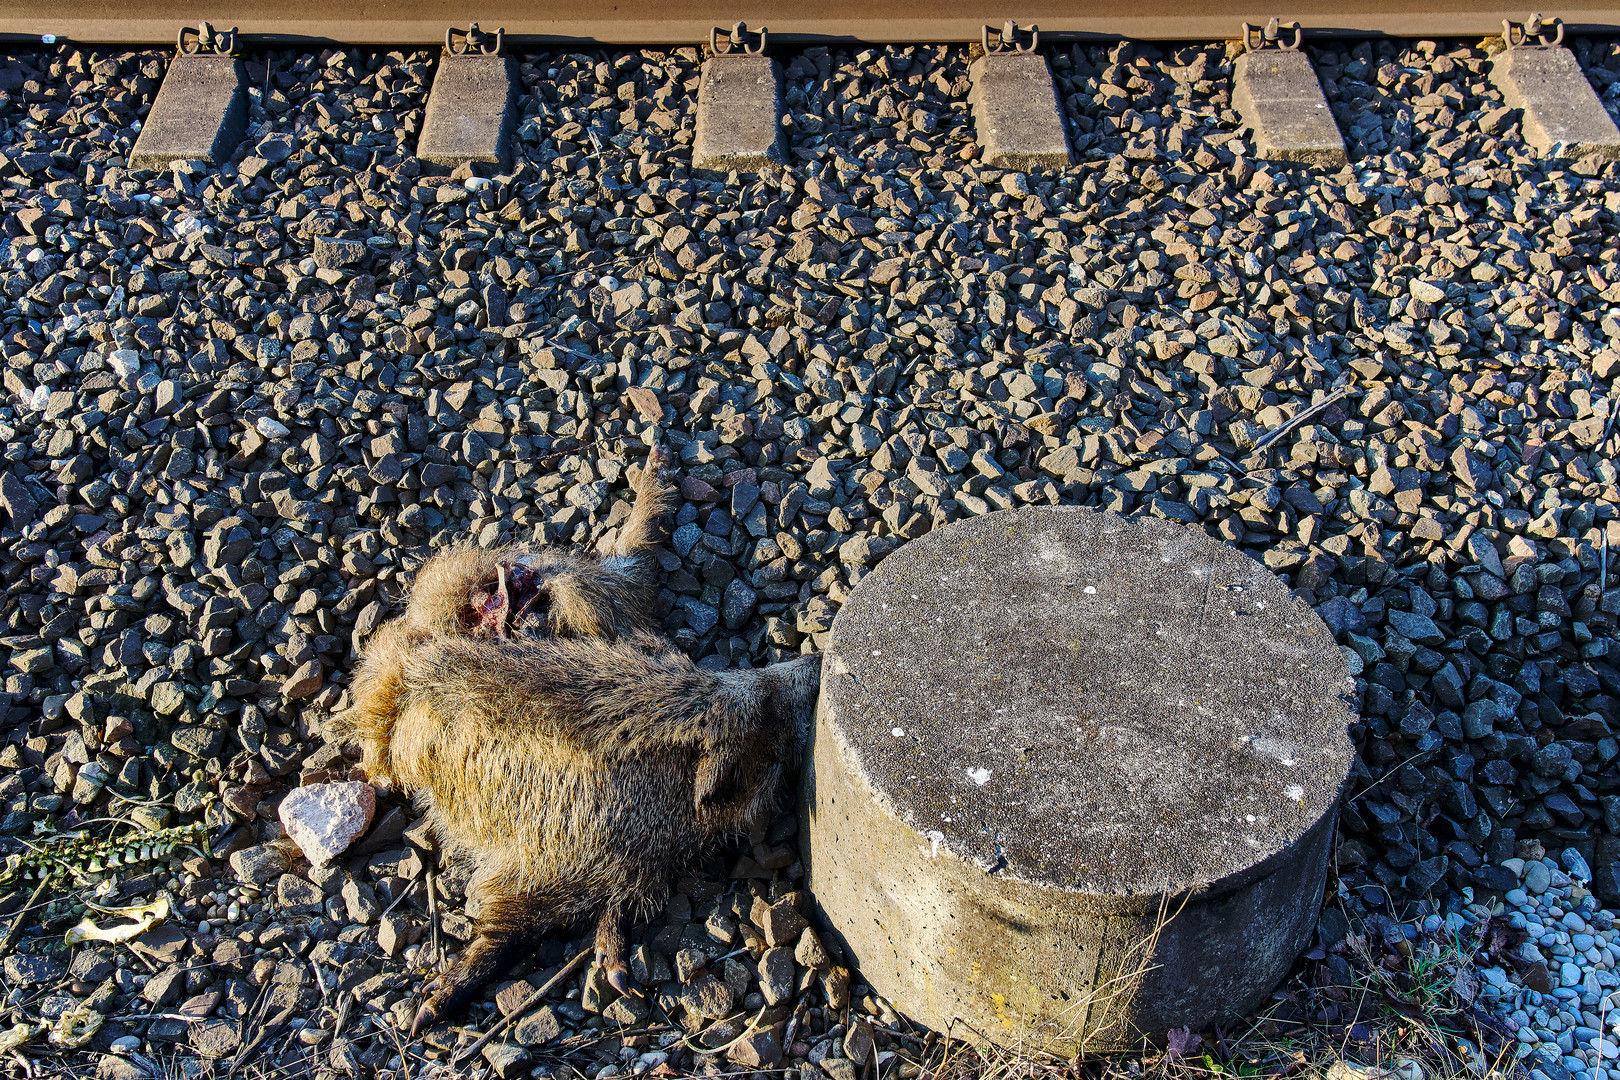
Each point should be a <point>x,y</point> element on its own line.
<point>654,498</point>
<point>611,945</point>
<point>509,928</point>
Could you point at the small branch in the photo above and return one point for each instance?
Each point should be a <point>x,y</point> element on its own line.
<point>264,1033</point>
<point>433,917</point>
<point>1297,419</point>
<point>529,1003</point>
<point>17,924</point>
<point>400,898</point>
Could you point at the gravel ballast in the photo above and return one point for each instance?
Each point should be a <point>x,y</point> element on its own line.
<point>243,403</point>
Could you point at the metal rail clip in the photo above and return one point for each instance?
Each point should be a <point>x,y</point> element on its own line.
<point>1007,38</point>
<point>1270,36</point>
<point>459,42</point>
<point>203,38</point>
<point>1520,35</point>
<point>739,40</point>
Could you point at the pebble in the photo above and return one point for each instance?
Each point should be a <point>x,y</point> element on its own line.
<point>324,819</point>
<point>1545,1028</point>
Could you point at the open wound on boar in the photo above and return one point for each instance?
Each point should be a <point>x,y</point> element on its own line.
<point>513,602</point>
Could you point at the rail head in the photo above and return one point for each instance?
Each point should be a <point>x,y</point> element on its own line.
<point>632,23</point>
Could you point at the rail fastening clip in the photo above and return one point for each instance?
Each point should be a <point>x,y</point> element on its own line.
<point>196,40</point>
<point>1007,38</point>
<point>459,42</point>
<point>739,40</point>
<point>1270,36</point>
<point>1533,33</point>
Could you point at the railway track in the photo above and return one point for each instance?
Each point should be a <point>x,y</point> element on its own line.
<point>472,112</point>
<point>689,22</point>
<point>244,397</point>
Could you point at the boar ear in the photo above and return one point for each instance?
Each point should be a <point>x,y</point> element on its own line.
<point>717,779</point>
<point>711,771</point>
<point>795,687</point>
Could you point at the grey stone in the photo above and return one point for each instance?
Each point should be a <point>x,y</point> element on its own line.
<point>260,864</point>
<point>739,115</point>
<point>858,1041</point>
<point>688,962</point>
<point>1140,649</point>
<point>1563,116</point>
<point>1414,627</point>
<point>334,253</point>
<point>1016,114</point>
<point>294,891</point>
<point>810,952</point>
<point>360,900</point>
<point>781,922</point>
<point>470,112</point>
<point>90,965</point>
<point>708,997</point>
<point>165,987</point>
<point>757,1050</point>
<point>275,148</point>
<point>649,967</point>
<point>539,1027</point>
<point>215,1038</point>
<point>324,819</point>
<point>113,1067</point>
<point>20,506</point>
<point>394,932</point>
<point>597,993</point>
<point>777,975</point>
<point>1277,94</point>
<point>200,113</point>
<point>627,1011</point>
<point>32,970</point>
<point>506,1059</point>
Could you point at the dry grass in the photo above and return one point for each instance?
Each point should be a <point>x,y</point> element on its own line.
<point>1402,1011</point>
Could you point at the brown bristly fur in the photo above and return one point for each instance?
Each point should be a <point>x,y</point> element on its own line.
<point>578,770</point>
<point>586,597</point>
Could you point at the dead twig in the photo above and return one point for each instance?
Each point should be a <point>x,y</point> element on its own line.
<point>747,1030</point>
<point>433,917</point>
<point>792,1028</point>
<point>1297,419</point>
<point>530,1002</point>
<point>400,898</point>
<point>342,1018</point>
<point>595,441</point>
<point>263,1034</point>
<point>17,924</point>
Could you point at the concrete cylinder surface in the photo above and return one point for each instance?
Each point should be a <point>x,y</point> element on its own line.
<point>1075,778</point>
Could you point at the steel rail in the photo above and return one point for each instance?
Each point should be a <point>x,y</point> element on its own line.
<point>689,22</point>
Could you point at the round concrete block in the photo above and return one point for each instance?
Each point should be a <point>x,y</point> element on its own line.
<point>1075,778</point>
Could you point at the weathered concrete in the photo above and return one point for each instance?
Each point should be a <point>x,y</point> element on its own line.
<point>1016,114</point>
<point>1040,728</point>
<point>739,115</point>
<point>1277,94</point>
<point>1563,117</point>
<point>470,111</point>
<point>199,114</point>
